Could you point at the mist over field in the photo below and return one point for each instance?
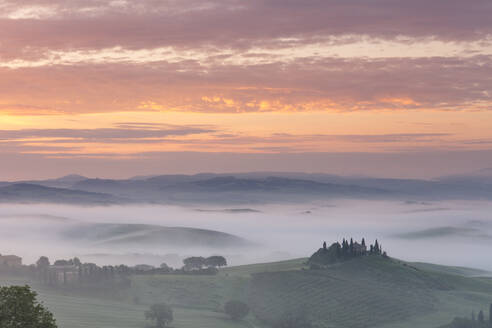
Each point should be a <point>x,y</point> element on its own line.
<point>446,232</point>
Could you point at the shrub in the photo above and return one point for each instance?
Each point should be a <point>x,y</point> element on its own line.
<point>161,314</point>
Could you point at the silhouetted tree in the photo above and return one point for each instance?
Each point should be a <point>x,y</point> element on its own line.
<point>237,310</point>
<point>76,261</point>
<point>161,314</point>
<point>43,265</point>
<point>215,261</point>
<point>376,247</point>
<point>481,317</point>
<point>43,262</point>
<point>490,315</point>
<point>194,262</point>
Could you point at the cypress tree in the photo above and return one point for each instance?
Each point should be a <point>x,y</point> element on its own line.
<point>490,315</point>
<point>481,317</point>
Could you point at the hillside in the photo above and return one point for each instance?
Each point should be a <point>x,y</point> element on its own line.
<point>364,292</point>
<point>368,291</point>
<point>152,235</point>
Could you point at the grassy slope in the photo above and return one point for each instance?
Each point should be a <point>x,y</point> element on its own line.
<point>76,311</point>
<point>369,292</point>
<point>376,292</point>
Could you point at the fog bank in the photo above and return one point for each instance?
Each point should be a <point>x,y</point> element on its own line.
<point>453,233</point>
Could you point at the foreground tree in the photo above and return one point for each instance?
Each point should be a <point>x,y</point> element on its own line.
<point>237,310</point>
<point>161,314</point>
<point>19,308</point>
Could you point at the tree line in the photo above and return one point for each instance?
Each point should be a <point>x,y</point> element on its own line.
<point>476,320</point>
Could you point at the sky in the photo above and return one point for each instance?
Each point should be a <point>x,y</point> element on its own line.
<point>118,88</point>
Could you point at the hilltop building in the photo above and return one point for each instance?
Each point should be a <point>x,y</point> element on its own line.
<point>64,274</point>
<point>345,251</point>
<point>359,249</point>
<point>10,261</point>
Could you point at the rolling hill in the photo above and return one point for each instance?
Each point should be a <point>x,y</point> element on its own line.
<point>129,235</point>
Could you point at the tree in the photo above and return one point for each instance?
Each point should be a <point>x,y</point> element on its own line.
<point>481,317</point>
<point>165,268</point>
<point>43,262</point>
<point>161,314</point>
<point>19,308</point>
<point>376,248</point>
<point>237,310</point>
<point>63,262</point>
<point>194,262</point>
<point>76,261</point>
<point>490,315</point>
<point>215,261</point>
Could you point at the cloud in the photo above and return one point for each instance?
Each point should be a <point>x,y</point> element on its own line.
<point>130,139</point>
<point>134,131</point>
<point>28,29</point>
<point>309,84</point>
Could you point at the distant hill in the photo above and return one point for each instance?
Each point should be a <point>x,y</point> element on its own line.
<point>32,193</point>
<point>152,235</point>
<point>271,187</point>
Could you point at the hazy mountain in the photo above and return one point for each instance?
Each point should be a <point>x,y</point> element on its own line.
<point>25,192</point>
<point>257,187</point>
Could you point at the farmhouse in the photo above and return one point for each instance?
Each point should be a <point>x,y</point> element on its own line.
<point>64,274</point>
<point>10,261</point>
<point>359,249</point>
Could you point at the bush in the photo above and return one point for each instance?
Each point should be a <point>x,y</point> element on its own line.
<point>237,310</point>
<point>161,314</point>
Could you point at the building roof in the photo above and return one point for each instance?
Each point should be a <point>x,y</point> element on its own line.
<point>10,257</point>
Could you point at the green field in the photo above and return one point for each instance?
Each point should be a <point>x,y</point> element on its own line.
<point>363,292</point>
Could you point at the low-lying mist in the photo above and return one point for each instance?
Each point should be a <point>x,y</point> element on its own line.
<point>453,233</point>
